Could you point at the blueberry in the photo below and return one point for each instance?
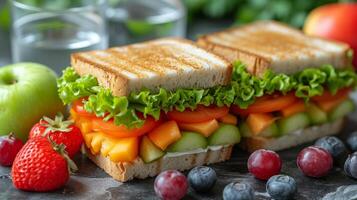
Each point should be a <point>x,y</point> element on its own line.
<point>238,191</point>
<point>352,141</point>
<point>281,187</point>
<point>333,145</point>
<point>351,165</point>
<point>202,178</point>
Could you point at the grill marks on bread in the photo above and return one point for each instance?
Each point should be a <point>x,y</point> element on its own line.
<point>169,63</point>
<point>268,44</point>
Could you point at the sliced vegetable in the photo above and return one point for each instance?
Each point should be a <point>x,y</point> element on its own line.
<point>292,123</point>
<point>165,134</point>
<point>148,151</point>
<point>73,114</point>
<point>245,130</point>
<point>85,126</point>
<point>267,104</point>
<point>205,128</point>
<point>107,146</point>
<point>298,106</point>
<point>316,115</point>
<point>78,107</point>
<point>257,122</point>
<point>328,96</point>
<point>270,131</point>
<point>200,114</point>
<point>342,110</point>
<point>229,119</point>
<point>122,131</point>
<point>188,142</point>
<point>88,137</point>
<point>328,105</point>
<point>244,89</point>
<point>226,134</point>
<point>83,123</point>
<point>96,143</point>
<point>125,150</point>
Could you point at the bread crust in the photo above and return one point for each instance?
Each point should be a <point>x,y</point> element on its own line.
<point>284,50</point>
<point>284,142</point>
<point>125,171</point>
<point>170,63</point>
<point>255,64</point>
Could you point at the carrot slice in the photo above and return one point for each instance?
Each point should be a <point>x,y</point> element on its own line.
<point>165,134</point>
<point>205,128</point>
<point>257,122</point>
<point>229,119</point>
<point>297,107</point>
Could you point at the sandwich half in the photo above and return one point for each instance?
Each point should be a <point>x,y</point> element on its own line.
<point>150,107</point>
<point>296,87</point>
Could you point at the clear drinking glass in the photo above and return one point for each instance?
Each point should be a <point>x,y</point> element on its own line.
<point>133,21</point>
<point>48,31</point>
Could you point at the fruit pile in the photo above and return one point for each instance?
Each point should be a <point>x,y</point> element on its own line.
<point>278,115</point>
<point>175,132</point>
<point>44,162</point>
<point>313,161</point>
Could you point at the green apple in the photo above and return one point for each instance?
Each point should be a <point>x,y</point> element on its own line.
<point>28,91</point>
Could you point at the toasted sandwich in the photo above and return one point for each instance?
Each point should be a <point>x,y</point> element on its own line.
<point>148,107</point>
<point>297,86</point>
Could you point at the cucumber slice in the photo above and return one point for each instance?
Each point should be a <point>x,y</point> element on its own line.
<point>225,134</point>
<point>245,130</point>
<point>292,123</point>
<point>341,110</point>
<point>316,115</point>
<point>148,151</point>
<point>271,131</point>
<point>189,141</point>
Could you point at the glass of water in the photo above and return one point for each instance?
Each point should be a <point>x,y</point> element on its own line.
<point>48,31</point>
<point>133,21</point>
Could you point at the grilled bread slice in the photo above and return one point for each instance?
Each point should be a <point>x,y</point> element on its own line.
<point>170,63</point>
<point>269,44</point>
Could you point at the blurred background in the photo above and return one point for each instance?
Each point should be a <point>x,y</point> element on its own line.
<point>47,31</point>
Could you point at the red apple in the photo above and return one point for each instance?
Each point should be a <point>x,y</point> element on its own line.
<point>335,21</point>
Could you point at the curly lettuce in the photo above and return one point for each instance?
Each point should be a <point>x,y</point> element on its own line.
<point>242,91</point>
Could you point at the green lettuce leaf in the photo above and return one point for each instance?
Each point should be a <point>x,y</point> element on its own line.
<point>242,91</point>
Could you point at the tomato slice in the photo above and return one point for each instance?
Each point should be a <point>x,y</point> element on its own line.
<point>78,107</point>
<point>327,96</point>
<point>108,127</point>
<point>200,114</point>
<point>267,104</point>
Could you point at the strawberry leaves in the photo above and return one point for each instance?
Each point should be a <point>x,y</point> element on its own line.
<point>61,149</point>
<point>57,124</point>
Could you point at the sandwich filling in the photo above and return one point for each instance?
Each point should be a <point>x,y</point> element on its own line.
<point>149,124</point>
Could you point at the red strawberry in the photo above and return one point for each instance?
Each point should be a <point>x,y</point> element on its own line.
<point>61,132</point>
<point>41,165</point>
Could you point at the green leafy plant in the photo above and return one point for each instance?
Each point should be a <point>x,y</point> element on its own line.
<point>292,12</point>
